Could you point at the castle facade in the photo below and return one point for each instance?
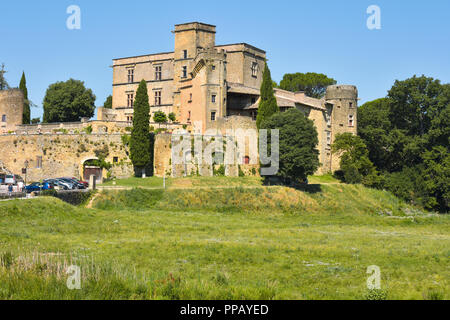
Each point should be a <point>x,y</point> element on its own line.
<point>209,86</point>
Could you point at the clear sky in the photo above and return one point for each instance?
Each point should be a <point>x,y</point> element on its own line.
<point>325,36</point>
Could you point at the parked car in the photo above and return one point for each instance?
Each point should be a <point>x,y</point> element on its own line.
<point>86,184</point>
<point>37,186</point>
<point>60,184</point>
<point>76,184</point>
<point>10,179</point>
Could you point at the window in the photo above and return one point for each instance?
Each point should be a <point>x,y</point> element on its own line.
<point>254,69</point>
<point>130,118</point>
<point>328,117</point>
<point>328,137</point>
<point>189,116</point>
<point>116,159</point>
<point>184,72</point>
<point>4,118</point>
<point>213,68</point>
<point>253,100</point>
<point>351,122</point>
<point>184,54</point>
<point>213,98</point>
<point>38,162</point>
<point>254,115</point>
<point>246,160</point>
<point>158,73</point>
<point>190,97</point>
<point>350,104</point>
<point>157,97</point>
<point>130,100</point>
<point>213,116</point>
<point>130,75</point>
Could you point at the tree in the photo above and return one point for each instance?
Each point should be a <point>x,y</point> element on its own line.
<point>108,103</point>
<point>172,117</point>
<point>26,118</point>
<point>68,102</point>
<point>268,103</point>
<point>160,117</point>
<point>140,134</point>
<point>436,179</point>
<point>414,102</point>
<point>3,83</point>
<point>298,152</point>
<point>313,84</point>
<point>35,120</point>
<point>408,137</point>
<point>373,128</point>
<point>355,163</point>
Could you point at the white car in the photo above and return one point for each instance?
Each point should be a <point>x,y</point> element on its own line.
<point>10,179</point>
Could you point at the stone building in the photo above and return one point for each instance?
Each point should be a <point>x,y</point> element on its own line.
<point>11,109</point>
<point>207,86</point>
<point>199,81</point>
<point>212,86</point>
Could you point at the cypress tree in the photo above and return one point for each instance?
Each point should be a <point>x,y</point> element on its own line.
<point>140,135</point>
<point>268,103</point>
<point>3,83</point>
<point>26,104</point>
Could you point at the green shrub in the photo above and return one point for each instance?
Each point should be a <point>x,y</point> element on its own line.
<point>75,198</point>
<point>220,171</point>
<point>376,294</point>
<point>241,173</point>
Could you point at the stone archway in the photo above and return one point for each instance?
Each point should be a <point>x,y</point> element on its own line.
<point>87,169</point>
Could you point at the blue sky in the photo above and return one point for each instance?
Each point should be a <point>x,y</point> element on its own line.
<point>325,36</point>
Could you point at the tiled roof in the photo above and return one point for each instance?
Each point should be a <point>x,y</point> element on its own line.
<point>239,88</point>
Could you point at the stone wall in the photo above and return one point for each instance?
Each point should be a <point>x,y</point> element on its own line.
<point>167,144</point>
<point>51,156</point>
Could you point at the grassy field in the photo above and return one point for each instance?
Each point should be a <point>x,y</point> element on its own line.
<point>156,182</point>
<point>238,242</point>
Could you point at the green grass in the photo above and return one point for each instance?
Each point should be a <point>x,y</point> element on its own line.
<point>327,178</point>
<point>150,182</point>
<point>157,182</point>
<point>233,243</point>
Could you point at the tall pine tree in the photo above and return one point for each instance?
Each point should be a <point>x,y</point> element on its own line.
<point>268,103</point>
<point>140,135</point>
<point>26,104</point>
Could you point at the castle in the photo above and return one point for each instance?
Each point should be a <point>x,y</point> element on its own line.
<point>211,85</point>
<point>207,86</point>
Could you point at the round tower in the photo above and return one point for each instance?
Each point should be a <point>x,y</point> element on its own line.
<point>342,91</point>
<point>11,109</point>
<point>344,101</point>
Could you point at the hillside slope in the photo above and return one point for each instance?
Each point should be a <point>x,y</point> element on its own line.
<point>230,243</point>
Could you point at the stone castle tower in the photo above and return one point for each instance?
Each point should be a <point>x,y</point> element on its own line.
<point>189,39</point>
<point>11,109</point>
<point>344,116</point>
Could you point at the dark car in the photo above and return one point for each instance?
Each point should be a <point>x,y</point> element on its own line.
<point>76,184</point>
<point>58,183</point>
<point>37,186</point>
<point>84,183</point>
